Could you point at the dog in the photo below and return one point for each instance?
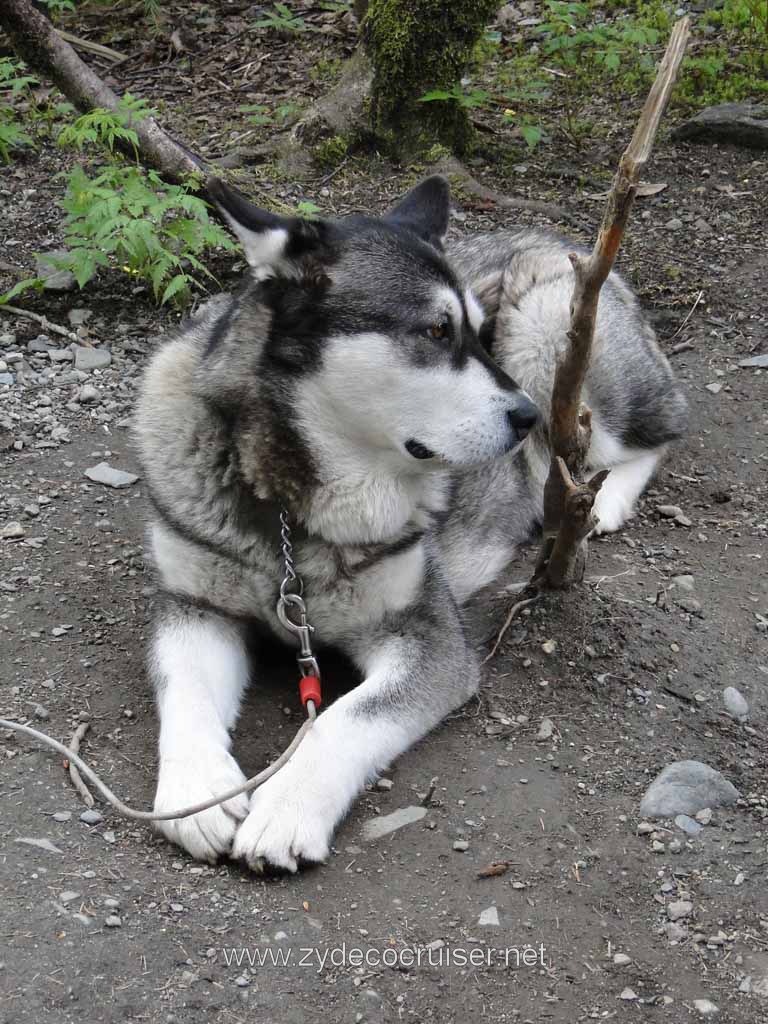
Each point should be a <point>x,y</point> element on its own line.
<point>390,397</point>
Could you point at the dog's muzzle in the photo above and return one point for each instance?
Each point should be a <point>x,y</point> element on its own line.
<point>418,450</point>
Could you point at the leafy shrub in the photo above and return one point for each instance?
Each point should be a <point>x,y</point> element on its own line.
<point>12,83</point>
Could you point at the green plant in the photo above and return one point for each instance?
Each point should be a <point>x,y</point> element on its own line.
<point>57,7</point>
<point>12,83</point>
<point>456,94</point>
<point>282,19</point>
<point>308,210</point>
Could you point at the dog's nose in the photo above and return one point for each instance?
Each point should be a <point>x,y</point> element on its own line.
<point>522,416</point>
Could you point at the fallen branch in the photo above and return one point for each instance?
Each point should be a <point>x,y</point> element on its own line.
<point>44,322</point>
<point>514,610</point>
<point>38,43</point>
<point>74,774</point>
<point>91,47</point>
<point>568,516</point>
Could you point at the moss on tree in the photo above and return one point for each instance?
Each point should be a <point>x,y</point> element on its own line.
<point>416,46</point>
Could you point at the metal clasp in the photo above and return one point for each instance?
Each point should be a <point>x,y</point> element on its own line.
<point>302,630</point>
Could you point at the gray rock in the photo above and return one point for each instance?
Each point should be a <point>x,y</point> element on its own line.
<point>674,225</point>
<point>60,355</point>
<point>62,816</point>
<point>77,317</point>
<point>761,361</point>
<point>706,1007</point>
<point>378,827</point>
<point>91,816</point>
<point>91,358</point>
<point>7,378</point>
<point>735,704</point>
<point>461,846</point>
<point>685,787</point>
<point>113,921</point>
<point>489,917</point>
<point>42,343</point>
<point>41,844</point>
<point>55,280</point>
<point>12,531</point>
<point>714,388</point>
<point>685,582</point>
<point>88,394</point>
<point>105,474</point>
<point>546,729</point>
<point>679,909</point>
<point>669,511</point>
<point>688,825</point>
<point>743,124</point>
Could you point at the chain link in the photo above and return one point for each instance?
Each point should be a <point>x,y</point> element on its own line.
<point>291,608</point>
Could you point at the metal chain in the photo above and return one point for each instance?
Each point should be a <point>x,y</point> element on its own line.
<point>291,605</point>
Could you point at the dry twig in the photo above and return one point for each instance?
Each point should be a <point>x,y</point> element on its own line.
<point>74,774</point>
<point>38,318</point>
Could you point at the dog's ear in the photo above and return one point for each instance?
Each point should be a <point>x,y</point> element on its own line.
<point>424,210</point>
<point>271,242</point>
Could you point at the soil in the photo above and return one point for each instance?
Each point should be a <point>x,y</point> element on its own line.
<point>633,679</point>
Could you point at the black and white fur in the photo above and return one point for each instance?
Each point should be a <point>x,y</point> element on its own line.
<point>351,382</point>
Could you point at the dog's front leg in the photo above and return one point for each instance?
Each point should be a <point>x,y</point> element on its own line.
<point>200,668</point>
<point>413,679</point>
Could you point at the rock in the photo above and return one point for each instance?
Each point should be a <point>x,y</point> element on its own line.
<point>714,388</point>
<point>675,846</point>
<point>105,474</point>
<point>759,361</point>
<point>91,358</point>
<point>549,646</point>
<point>688,825</point>
<point>735,704</point>
<point>112,904</point>
<point>62,816</point>
<point>546,729</point>
<point>113,921</point>
<point>674,225</point>
<point>675,932</point>
<point>77,317</point>
<point>461,846</point>
<point>91,816</point>
<point>628,995</point>
<point>67,896</point>
<point>688,604</point>
<point>685,582</point>
<point>743,124</point>
<point>669,511</point>
<point>55,280</point>
<point>685,787</point>
<point>621,959</point>
<point>88,394</point>
<point>704,816</point>
<point>60,355</point>
<point>645,828</point>
<point>489,917</point>
<point>378,827</point>
<point>706,1007</point>
<point>41,844</point>
<point>657,846</point>
<point>6,378</point>
<point>384,784</point>
<point>12,531</point>
<point>42,343</point>
<point>677,910</point>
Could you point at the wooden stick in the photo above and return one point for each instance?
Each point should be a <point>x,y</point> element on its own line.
<point>74,774</point>
<point>571,422</point>
<point>42,320</point>
<point>90,47</point>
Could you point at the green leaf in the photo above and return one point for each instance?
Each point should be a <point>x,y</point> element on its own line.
<point>177,284</point>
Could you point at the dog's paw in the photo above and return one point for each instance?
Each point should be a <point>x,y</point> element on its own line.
<point>612,510</point>
<point>291,819</point>
<point>186,781</point>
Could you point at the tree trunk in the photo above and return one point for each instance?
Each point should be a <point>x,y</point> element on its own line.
<point>416,46</point>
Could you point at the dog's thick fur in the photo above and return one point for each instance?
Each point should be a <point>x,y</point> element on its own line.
<point>350,382</point>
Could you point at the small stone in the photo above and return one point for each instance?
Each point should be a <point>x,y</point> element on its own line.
<point>669,511</point>
<point>714,388</point>
<point>675,932</point>
<point>384,784</point>
<point>91,358</point>
<point>677,910</point>
<point>628,995</point>
<point>645,828</point>
<point>685,787</point>
<point>621,959</point>
<point>241,981</point>
<point>546,729</point>
<point>758,361</point>
<point>88,394</point>
<point>67,896</point>
<point>489,917</point>
<point>62,816</point>
<point>675,846</point>
<point>111,904</point>
<point>60,355</point>
<point>55,280</point>
<point>12,531</point>
<point>91,816</point>
<point>688,825</point>
<point>704,816</point>
<point>735,704</point>
<point>382,826</point>
<point>461,846</point>
<point>674,225</point>
<point>113,921</point>
<point>105,474</point>
<point>658,847</point>
<point>706,1007</point>
<point>549,646</point>
<point>685,582</point>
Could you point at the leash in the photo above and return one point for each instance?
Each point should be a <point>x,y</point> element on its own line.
<point>290,602</point>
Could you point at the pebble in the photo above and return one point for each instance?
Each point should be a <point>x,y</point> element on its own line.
<point>760,361</point>
<point>621,959</point>
<point>735,704</point>
<point>706,1007</point>
<point>91,816</point>
<point>384,784</point>
<point>68,895</point>
<point>657,847</point>
<point>113,921</point>
<point>669,511</point>
<point>62,816</point>
<point>382,826</point>
<point>675,846</point>
<point>88,394</point>
<point>461,846</point>
<point>112,904</point>
<point>54,280</point>
<point>12,530</point>
<point>645,828</point>
<point>677,910</point>
<point>714,388</point>
<point>489,917</point>
<point>546,729</point>
<point>685,582</point>
<point>674,225</point>
<point>685,787</point>
<point>705,816</point>
<point>688,825</point>
<point>676,932</point>
<point>105,474</point>
<point>91,358</point>
<point>549,646</point>
<point>628,995</point>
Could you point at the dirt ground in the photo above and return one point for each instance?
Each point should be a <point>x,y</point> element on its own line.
<point>106,922</point>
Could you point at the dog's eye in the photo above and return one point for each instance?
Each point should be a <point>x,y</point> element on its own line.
<point>439,331</point>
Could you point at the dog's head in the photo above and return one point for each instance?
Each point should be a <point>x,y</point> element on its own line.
<point>378,341</point>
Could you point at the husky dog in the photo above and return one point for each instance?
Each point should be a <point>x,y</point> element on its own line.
<point>356,382</point>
